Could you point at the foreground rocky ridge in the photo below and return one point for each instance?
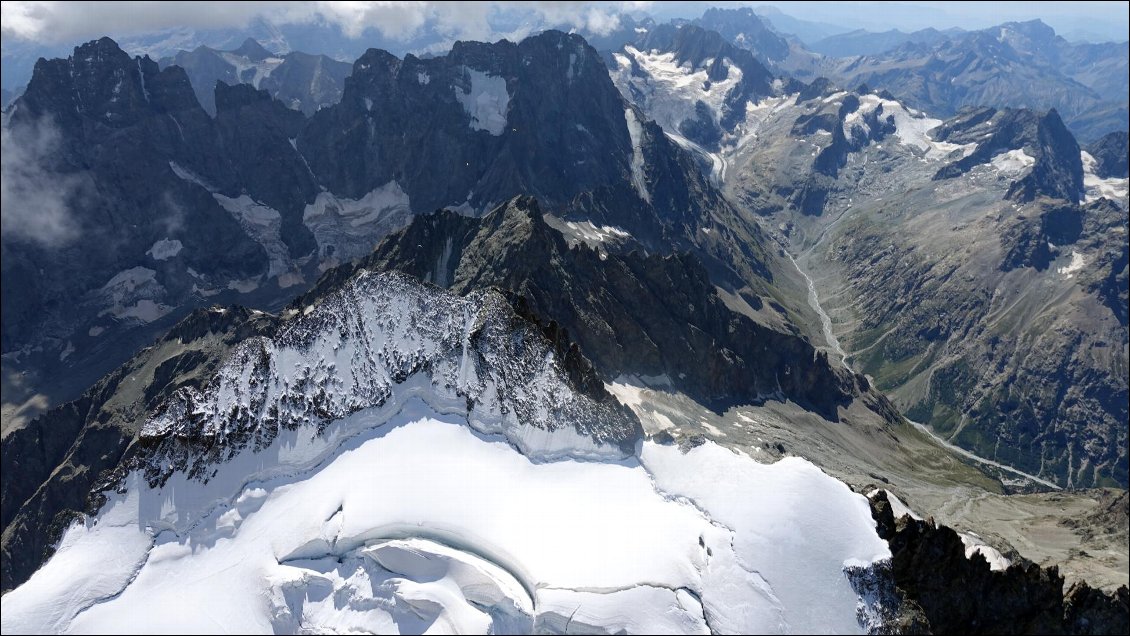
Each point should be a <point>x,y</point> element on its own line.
<point>944,592</point>
<point>226,380</point>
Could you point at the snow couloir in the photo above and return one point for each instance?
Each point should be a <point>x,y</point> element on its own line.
<point>398,459</point>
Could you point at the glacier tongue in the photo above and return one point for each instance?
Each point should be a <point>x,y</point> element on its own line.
<point>398,459</point>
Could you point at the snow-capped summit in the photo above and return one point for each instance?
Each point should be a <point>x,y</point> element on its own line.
<point>392,457</point>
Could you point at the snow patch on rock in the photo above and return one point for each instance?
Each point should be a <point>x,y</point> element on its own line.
<point>485,101</point>
<point>132,294</point>
<point>185,174</point>
<point>249,71</point>
<point>1013,162</point>
<point>264,225</point>
<point>974,545</point>
<point>911,127</point>
<point>1078,262</point>
<point>635,132</point>
<point>346,228</point>
<point>590,233</point>
<point>165,249</point>
<point>1095,187</point>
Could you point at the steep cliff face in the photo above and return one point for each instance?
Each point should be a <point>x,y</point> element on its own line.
<point>944,592</point>
<point>657,317</point>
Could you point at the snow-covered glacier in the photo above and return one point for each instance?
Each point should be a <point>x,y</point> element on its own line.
<point>452,478</point>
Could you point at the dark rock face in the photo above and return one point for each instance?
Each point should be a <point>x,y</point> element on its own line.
<point>964,596</point>
<point>251,126</point>
<point>307,82</point>
<point>494,152</point>
<point>119,122</point>
<point>1058,171</point>
<point>647,315</point>
<point>1102,221</point>
<point>1111,154</point>
<point>1026,242</point>
<point>746,29</point>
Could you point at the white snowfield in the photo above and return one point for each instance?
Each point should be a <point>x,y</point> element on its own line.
<point>418,524</point>
<point>911,127</point>
<point>134,294</point>
<point>669,92</point>
<point>418,515</point>
<point>1095,187</point>
<point>165,249</point>
<point>1013,163</point>
<point>251,71</point>
<point>485,101</point>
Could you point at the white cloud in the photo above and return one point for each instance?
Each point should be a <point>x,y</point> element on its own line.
<point>34,199</point>
<point>64,22</point>
<point>69,21</point>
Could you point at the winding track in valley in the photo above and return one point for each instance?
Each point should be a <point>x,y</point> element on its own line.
<point>833,343</point>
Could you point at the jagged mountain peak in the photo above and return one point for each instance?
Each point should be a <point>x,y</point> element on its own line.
<point>1042,140</point>
<point>102,82</point>
<point>252,50</point>
<point>498,105</point>
<point>746,29</point>
<point>352,348</point>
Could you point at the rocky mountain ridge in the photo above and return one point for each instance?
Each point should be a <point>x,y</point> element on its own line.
<point>196,217</point>
<point>228,379</point>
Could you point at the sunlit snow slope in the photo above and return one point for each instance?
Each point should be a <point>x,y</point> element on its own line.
<point>407,517</point>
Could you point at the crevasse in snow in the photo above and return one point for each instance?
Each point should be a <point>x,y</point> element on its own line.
<point>400,459</point>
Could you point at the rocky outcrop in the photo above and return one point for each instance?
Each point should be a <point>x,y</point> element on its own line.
<point>1111,154</point>
<point>1057,171</point>
<point>959,595</point>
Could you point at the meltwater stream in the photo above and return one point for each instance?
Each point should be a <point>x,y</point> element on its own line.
<point>825,321</point>
<point>833,343</point>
